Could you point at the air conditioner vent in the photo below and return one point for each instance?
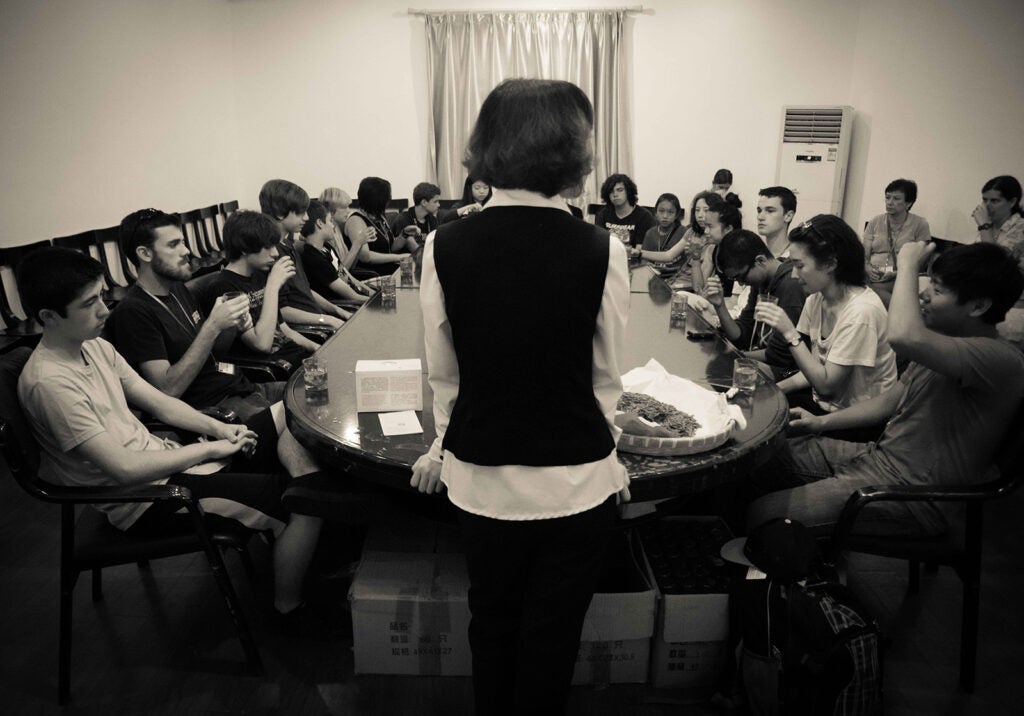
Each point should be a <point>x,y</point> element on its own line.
<point>813,126</point>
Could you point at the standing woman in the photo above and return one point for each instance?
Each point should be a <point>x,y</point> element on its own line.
<point>1000,219</point>
<point>527,456</point>
<point>887,233</point>
<point>384,249</point>
<point>621,215</point>
<point>849,359</point>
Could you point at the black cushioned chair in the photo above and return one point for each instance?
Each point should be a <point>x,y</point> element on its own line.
<point>92,543</point>
<point>960,549</point>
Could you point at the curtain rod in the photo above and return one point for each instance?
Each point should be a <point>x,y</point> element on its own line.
<point>634,9</point>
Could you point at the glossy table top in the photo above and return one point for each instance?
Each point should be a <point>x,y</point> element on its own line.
<point>340,436</point>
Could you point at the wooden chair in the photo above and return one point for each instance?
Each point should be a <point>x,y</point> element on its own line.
<point>205,256</point>
<point>85,242</point>
<point>111,236</point>
<point>92,543</point>
<point>961,549</point>
<point>592,209</point>
<point>15,328</point>
<point>227,208</point>
<point>448,204</point>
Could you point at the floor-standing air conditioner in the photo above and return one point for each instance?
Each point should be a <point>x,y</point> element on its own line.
<point>814,148</point>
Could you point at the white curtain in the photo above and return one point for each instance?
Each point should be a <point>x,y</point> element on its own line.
<point>471,52</point>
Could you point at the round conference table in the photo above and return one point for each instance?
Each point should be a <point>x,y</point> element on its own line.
<point>354,442</point>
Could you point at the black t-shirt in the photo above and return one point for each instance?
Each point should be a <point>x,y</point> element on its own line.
<point>319,269</point>
<point>146,328</point>
<point>255,287</point>
<point>408,218</point>
<point>296,293</point>
<point>636,222</point>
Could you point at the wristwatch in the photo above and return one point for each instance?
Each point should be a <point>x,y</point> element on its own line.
<point>985,227</point>
<point>794,341</point>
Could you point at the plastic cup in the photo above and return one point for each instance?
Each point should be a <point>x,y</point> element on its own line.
<point>387,289</point>
<point>744,375</point>
<point>677,309</point>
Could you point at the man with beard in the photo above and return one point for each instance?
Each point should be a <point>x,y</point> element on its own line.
<point>160,330</point>
<point>162,333</point>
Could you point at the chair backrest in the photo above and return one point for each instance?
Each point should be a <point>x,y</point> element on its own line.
<point>112,235</point>
<point>19,448</point>
<point>447,204</point>
<point>211,216</point>
<point>227,208</point>
<point>11,257</point>
<point>592,209</point>
<point>193,225</point>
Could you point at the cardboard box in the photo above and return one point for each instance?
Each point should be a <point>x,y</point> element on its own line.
<point>616,638</point>
<point>389,385</point>
<point>689,647</point>
<point>410,614</point>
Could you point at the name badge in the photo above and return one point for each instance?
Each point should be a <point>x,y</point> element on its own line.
<point>228,368</point>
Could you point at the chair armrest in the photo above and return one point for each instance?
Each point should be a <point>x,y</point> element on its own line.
<point>909,493</point>
<point>116,493</point>
<point>262,370</point>
<point>313,331</point>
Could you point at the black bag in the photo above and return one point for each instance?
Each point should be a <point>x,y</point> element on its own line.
<point>807,649</point>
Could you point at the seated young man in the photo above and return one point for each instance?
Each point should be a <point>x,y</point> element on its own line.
<point>76,389</point>
<point>253,268</point>
<point>426,202</point>
<point>743,257</point>
<point>160,330</point>
<point>316,257</point>
<point>946,416</point>
<point>286,203</point>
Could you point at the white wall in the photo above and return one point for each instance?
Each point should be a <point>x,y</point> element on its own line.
<point>109,105</point>
<point>939,89</point>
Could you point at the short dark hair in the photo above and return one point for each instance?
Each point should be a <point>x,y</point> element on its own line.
<point>280,197</point>
<point>52,277</point>
<point>722,176</point>
<point>1008,186</point>
<point>139,229</point>
<point>534,135</point>
<point>694,226</point>
<point>424,191</point>
<point>728,209</point>
<point>467,191</point>
<point>979,271</point>
<point>374,194</point>
<point>317,212</point>
<point>738,249</point>
<point>786,197</point>
<point>629,184</point>
<point>908,187</point>
<point>828,238</point>
<point>248,232</point>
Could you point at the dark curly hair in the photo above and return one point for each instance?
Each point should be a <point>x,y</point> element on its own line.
<point>629,184</point>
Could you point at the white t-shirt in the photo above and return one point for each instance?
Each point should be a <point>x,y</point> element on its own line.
<point>858,339</point>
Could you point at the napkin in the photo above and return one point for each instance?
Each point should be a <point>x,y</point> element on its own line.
<point>708,407</point>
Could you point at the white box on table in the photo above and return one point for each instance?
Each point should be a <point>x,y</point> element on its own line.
<point>389,385</point>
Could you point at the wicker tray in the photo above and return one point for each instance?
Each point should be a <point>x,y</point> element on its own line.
<point>647,445</point>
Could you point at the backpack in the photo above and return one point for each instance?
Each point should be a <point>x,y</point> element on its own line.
<point>807,649</point>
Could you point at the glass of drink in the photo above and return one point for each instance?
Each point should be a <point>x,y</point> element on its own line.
<point>677,309</point>
<point>314,375</point>
<point>231,296</point>
<point>408,266</point>
<point>387,289</point>
<point>744,375</point>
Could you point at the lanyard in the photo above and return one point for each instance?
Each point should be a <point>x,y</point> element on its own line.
<point>190,328</point>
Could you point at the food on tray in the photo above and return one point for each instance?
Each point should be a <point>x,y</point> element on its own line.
<point>675,421</point>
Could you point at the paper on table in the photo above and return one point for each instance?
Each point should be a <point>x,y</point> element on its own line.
<point>708,407</point>
<point>403,422</point>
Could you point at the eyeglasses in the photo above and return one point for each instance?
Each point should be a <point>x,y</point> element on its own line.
<point>740,277</point>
